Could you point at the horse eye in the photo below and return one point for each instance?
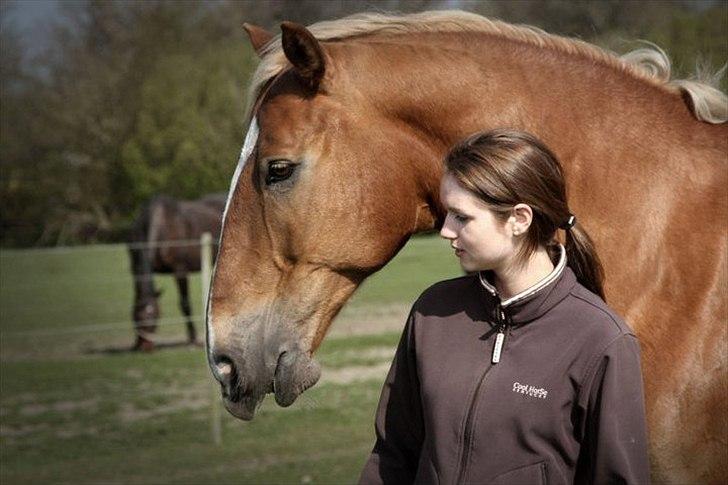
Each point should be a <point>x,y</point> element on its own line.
<point>279,170</point>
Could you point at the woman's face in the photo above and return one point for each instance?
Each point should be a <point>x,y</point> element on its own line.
<point>481,240</point>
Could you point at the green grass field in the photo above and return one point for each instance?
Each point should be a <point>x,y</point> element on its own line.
<point>76,408</point>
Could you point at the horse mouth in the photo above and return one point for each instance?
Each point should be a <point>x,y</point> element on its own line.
<point>245,407</point>
<point>240,402</point>
<point>294,373</point>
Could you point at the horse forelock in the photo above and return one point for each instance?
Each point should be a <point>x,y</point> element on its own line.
<point>649,64</point>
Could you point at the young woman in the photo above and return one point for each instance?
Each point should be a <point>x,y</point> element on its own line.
<point>518,372</point>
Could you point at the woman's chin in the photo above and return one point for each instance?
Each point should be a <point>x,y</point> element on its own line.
<point>467,266</point>
<point>470,267</point>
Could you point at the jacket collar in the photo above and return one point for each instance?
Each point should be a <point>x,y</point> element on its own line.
<point>539,298</point>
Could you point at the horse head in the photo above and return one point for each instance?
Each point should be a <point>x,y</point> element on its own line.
<point>324,195</point>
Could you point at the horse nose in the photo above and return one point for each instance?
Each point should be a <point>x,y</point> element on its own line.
<point>223,369</point>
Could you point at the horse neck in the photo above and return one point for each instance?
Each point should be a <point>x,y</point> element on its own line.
<point>445,87</point>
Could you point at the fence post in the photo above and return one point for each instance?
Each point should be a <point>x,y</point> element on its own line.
<point>205,277</point>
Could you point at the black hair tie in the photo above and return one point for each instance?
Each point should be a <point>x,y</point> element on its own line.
<point>569,223</point>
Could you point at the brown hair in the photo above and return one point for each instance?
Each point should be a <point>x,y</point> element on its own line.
<point>506,167</point>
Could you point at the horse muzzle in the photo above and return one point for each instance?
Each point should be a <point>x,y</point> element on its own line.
<point>243,389</point>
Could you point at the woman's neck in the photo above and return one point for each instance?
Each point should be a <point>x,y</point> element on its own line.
<point>514,279</point>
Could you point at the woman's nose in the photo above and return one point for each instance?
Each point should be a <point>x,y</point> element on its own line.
<point>446,232</point>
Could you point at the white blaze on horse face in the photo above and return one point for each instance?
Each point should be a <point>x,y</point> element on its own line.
<point>251,138</point>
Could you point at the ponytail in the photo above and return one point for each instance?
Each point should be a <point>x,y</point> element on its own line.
<point>581,256</point>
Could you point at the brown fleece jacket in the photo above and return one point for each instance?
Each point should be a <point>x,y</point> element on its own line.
<point>564,403</point>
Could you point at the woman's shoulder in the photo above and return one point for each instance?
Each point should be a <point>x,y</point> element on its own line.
<point>593,313</point>
<point>447,292</point>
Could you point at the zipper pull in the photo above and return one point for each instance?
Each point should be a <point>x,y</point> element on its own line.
<point>498,345</point>
<point>499,339</point>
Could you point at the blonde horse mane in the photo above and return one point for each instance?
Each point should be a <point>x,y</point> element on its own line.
<point>650,64</point>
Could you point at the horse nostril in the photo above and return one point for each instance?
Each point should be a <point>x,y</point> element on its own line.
<point>223,368</point>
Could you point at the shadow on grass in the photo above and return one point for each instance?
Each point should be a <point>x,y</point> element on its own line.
<point>130,349</point>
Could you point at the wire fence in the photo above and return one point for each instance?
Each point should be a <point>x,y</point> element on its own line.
<point>92,284</point>
<point>130,245</point>
<point>40,278</point>
<point>99,327</point>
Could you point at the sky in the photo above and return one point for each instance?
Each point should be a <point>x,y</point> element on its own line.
<point>31,18</point>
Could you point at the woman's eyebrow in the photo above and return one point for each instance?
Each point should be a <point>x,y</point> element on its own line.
<point>455,209</point>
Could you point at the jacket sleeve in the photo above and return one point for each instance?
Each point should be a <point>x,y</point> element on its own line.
<point>398,422</point>
<point>614,447</point>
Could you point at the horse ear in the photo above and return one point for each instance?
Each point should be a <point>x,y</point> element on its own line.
<point>304,52</point>
<point>258,36</point>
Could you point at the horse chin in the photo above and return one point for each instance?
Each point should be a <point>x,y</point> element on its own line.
<point>244,408</point>
<point>296,372</point>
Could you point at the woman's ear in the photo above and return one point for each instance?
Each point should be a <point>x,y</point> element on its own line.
<point>521,218</point>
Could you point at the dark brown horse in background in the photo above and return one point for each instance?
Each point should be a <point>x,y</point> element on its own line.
<point>165,239</point>
<point>349,124</point>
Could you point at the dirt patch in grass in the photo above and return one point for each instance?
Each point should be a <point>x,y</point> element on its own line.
<point>378,353</point>
<point>370,320</point>
<point>68,433</point>
<point>21,430</point>
<point>347,375</point>
<point>34,409</point>
<point>131,413</point>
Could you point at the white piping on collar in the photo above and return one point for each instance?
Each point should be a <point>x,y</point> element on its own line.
<point>558,269</point>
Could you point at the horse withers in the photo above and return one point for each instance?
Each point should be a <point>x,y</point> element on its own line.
<point>164,239</point>
<point>349,123</point>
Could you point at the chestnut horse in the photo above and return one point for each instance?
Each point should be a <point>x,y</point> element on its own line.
<point>349,123</point>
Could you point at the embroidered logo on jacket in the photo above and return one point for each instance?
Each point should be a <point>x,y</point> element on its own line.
<point>532,391</point>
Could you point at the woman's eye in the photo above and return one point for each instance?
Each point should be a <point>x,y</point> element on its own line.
<point>460,218</point>
<point>279,170</point>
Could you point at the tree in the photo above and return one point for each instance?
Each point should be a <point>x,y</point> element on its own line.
<point>136,98</point>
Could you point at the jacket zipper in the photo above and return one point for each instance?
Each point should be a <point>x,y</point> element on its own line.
<point>501,336</point>
<point>467,432</point>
